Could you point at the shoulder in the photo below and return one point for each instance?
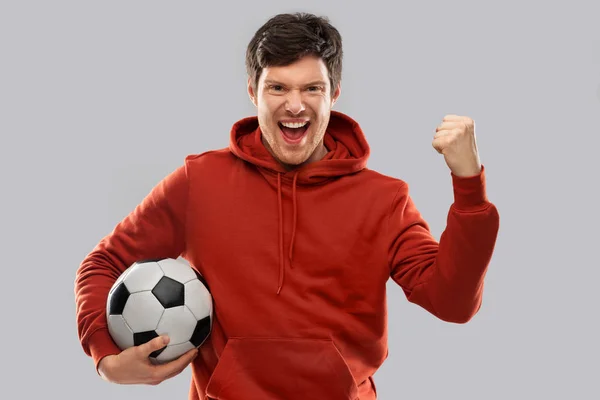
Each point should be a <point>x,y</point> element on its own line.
<point>213,161</point>
<point>380,182</point>
<point>377,191</point>
<point>207,158</point>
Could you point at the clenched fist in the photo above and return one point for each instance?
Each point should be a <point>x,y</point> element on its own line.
<point>455,139</point>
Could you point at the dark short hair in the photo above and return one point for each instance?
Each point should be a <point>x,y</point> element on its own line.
<point>285,38</point>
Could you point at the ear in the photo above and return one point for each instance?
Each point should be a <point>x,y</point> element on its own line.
<point>336,94</point>
<point>251,93</point>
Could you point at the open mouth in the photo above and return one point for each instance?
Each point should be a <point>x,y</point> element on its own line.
<point>293,135</point>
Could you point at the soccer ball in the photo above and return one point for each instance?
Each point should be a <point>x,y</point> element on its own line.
<point>158,297</point>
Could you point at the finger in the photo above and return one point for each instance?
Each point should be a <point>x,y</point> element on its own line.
<point>466,122</point>
<point>453,117</point>
<point>447,125</point>
<point>446,132</point>
<point>174,367</point>
<point>439,144</point>
<point>182,366</point>
<point>174,374</point>
<point>155,344</point>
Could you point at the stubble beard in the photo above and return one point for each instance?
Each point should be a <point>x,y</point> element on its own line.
<point>298,157</point>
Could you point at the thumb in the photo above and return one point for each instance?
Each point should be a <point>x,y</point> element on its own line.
<point>155,344</point>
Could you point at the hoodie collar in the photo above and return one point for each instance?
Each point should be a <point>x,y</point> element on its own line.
<point>348,153</point>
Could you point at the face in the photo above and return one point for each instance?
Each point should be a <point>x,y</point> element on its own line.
<point>299,93</point>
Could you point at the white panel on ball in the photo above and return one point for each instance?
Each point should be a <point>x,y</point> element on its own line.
<point>143,276</point>
<point>142,312</point>
<point>178,323</point>
<point>122,335</point>
<point>177,269</point>
<point>174,351</point>
<point>120,278</point>
<point>198,299</point>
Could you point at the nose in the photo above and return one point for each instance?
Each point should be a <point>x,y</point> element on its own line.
<point>294,103</point>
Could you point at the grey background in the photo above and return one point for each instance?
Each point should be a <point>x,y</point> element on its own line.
<point>100,100</point>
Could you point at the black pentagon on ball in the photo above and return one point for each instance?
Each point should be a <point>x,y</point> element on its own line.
<point>144,337</point>
<point>201,331</point>
<point>118,299</point>
<point>169,292</point>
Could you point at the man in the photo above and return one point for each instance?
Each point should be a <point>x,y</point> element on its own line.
<point>296,239</point>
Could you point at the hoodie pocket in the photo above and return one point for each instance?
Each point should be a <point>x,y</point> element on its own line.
<point>281,368</point>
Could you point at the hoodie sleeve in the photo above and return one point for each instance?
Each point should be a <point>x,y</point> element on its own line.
<point>444,278</point>
<point>154,229</point>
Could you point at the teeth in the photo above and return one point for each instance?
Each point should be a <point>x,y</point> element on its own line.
<point>294,124</point>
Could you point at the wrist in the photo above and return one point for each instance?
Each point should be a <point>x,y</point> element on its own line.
<point>101,345</point>
<point>104,365</point>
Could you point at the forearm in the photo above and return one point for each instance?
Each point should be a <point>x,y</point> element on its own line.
<point>452,288</point>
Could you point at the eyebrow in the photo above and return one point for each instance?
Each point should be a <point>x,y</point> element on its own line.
<point>271,82</point>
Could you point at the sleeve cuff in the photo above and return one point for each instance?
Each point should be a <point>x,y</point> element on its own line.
<point>101,345</point>
<point>469,191</point>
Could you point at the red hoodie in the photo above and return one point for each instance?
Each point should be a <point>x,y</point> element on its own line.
<point>297,263</point>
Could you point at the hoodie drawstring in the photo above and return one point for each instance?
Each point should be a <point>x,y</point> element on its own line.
<point>279,201</point>
<point>294,226</point>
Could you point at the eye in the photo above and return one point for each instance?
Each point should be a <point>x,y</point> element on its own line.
<point>316,88</point>
<point>275,87</point>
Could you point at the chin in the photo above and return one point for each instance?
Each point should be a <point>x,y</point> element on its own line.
<point>292,160</point>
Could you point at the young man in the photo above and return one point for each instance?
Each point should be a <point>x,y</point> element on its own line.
<point>296,239</point>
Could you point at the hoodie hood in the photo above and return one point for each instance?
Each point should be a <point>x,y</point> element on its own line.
<point>347,153</point>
